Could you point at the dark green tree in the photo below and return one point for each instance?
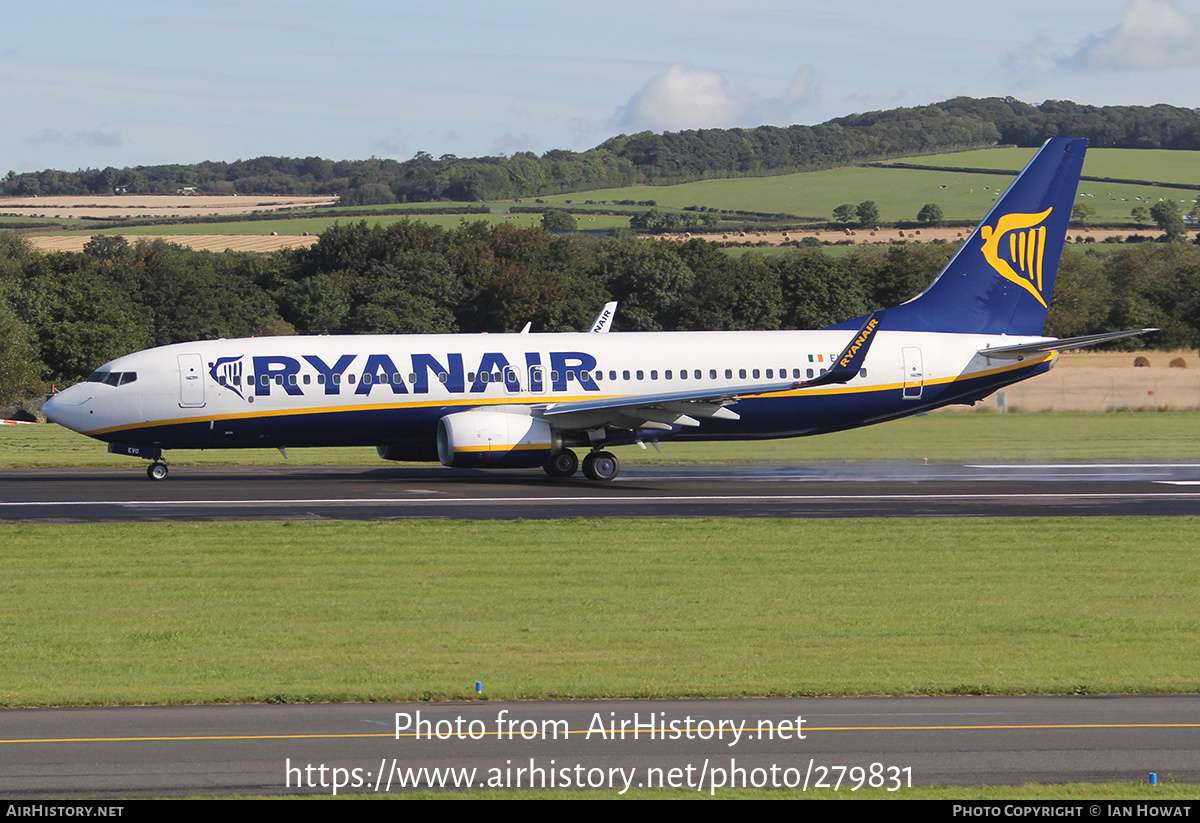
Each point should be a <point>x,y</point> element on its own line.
<point>1080,213</point>
<point>558,220</point>
<point>867,213</point>
<point>844,213</point>
<point>930,214</point>
<point>1168,219</point>
<point>21,370</point>
<point>649,280</point>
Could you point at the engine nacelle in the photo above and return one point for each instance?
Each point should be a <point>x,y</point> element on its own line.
<point>495,438</point>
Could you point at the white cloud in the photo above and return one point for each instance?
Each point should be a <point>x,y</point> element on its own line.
<point>685,98</point>
<point>1153,34</point>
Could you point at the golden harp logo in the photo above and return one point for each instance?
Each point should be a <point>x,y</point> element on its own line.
<point>1014,248</point>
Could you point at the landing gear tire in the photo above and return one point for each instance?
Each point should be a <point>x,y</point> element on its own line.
<point>157,471</point>
<point>563,464</point>
<point>601,466</point>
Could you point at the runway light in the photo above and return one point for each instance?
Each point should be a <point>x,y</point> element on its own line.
<point>1153,778</point>
<point>478,687</point>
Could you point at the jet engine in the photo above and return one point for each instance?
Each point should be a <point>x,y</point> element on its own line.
<point>490,438</point>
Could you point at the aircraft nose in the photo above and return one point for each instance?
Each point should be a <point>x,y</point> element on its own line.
<point>68,407</point>
<point>53,410</point>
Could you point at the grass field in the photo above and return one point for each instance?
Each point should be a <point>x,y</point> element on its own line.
<point>900,193</point>
<point>1158,165</point>
<point>182,613</point>
<point>960,437</point>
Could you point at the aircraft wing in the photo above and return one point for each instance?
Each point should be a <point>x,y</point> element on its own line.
<point>681,408</point>
<point>1055,344</point>
<point>657,411</point>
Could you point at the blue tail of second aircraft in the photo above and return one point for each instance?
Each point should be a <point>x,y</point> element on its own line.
<point>1001,280</point>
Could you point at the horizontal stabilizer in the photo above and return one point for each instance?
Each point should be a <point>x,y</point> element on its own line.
<point>1055,344</point>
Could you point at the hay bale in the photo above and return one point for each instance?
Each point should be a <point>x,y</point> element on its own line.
<point>1177,363</point>
<point>1140,362</point>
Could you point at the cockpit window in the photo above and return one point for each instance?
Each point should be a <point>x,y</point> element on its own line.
<point>112,378</point>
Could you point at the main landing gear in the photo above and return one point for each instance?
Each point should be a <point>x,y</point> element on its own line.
<point>563,464</point>
<point>157,471</point>
<point>598,465</point>
<point>601,466</point>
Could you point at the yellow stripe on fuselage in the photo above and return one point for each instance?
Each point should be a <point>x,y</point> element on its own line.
<point>540,400</point>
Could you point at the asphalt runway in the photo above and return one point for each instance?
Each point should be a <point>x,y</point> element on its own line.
<point>219,750</point>
<point>700,745</point>
<point>819,490</point>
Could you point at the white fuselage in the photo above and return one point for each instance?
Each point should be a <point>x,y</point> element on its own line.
<point>379,389</point>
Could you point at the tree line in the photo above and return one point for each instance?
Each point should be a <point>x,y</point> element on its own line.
<point>649,157</point>
<point>63,314</point>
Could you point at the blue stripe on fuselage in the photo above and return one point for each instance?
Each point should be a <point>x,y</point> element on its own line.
<point>776,416</point>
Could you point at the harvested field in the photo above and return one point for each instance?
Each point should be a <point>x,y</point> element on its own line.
<point>204,242</point>
<point>883,236</point>
<point>1105,382</point>
<point>121,207</point>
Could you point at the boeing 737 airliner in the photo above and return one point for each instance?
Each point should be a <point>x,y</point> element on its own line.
<point>527,400</point>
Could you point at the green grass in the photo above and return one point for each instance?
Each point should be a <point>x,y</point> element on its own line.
<point>184,613</point>
<point>899,193</point>
<point>1158,165</point>
<point>957,437</point>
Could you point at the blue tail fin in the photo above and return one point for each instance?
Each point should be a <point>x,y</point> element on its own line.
<point>1001,280</point>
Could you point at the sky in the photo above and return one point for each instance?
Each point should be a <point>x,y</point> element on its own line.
<point>127,82</point>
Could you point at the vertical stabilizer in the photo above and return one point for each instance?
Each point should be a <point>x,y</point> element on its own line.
<point>1001,280</point>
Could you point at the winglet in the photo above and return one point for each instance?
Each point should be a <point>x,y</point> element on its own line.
<point>848,363</point>
<point>603,321</point>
